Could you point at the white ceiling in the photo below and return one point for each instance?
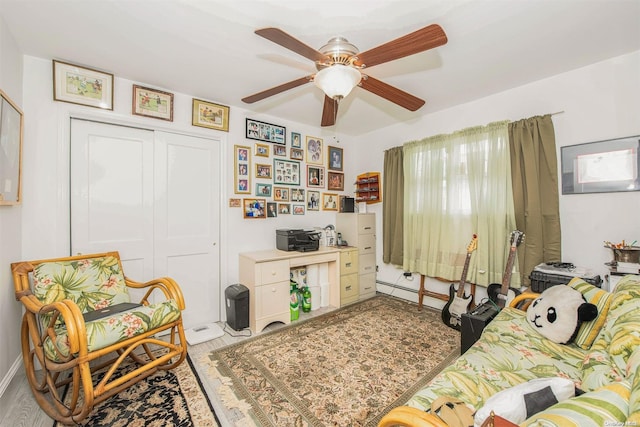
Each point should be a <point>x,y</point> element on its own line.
<point>207,48</point>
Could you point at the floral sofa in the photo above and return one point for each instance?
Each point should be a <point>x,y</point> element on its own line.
<point>603,362</point>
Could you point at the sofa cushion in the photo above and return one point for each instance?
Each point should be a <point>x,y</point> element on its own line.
<point>623,323</point>
<point>601,299</point>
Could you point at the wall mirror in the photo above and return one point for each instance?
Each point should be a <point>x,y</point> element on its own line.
<point>10,151</point>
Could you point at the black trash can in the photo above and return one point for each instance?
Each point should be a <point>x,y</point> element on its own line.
<point>237,303</point>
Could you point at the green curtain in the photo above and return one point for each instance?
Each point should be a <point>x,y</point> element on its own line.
<point>534,172</point>
<point>393,206</point>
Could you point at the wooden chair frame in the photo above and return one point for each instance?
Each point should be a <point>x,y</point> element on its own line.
<point>49,378</point>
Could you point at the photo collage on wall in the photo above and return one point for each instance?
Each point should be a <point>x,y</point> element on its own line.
<point>291,178</point>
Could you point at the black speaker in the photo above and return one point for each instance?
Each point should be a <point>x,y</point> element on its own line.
<point>237,303</point>
<point>473,324</point>
<point>347,204</point>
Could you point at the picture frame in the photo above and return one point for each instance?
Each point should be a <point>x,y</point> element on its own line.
<point>297,154</point>
<point>313,200</point>
<point>335,181</point>
<point>280,150</point>
<point>297,195</point>
<point>235,203</point>
<point>334,159</point>
<point>263,171</point>
<point>266,132</point>
<point>315,176</point>
<point>261,150</point>
<point>272,210</point>
<point>242,169</point>
<point>330,201</point>
<point>263,190</point>
<point>254,208</point>
<point>298,209</point>
<point>209,115</point>
<point>296,140</point>
<point>81,85</point>
<point>153,103</point>
<point>286,172</point>
<point>11,136</point>
<point>601,167</point>
<point>284,208</point>
<point>314,147</point>
<point>281,194</point>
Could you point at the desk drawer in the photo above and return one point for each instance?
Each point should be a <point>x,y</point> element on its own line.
<point>273,271</point>
<point>272,299</point>
<point>348,262</point>
<point>349,287</point>
<point>367,264</point>
<point>366,223</point>
<point>367,285</point>
<point>367,244</point>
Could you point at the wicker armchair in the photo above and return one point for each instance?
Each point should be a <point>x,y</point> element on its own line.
<point>62,350</point>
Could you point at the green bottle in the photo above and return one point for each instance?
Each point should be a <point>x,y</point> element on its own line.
<point>306,299</point>
<point>294,302</point>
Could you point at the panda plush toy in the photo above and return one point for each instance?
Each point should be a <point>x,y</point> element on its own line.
<point>558,313</point>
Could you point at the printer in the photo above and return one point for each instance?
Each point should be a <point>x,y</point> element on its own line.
<point>297,240</point>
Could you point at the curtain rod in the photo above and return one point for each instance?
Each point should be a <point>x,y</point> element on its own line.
<point>557,112</point>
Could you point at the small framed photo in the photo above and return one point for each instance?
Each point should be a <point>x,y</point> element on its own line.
<point>284,208</point>
<point>262,150</point>
<point>235,203</point>
<point>296,140</point>
<point>329,201</point>
<point>263,171</point>
<point>266,132</point>
<point>286,172</point>
<point>242,169</point>
<point>263,190</point>
<point>298,209</point>
<point>152,103</point>
<point>313,200</point>
<point>281,194</point>
<point>335,181</point>
<point>280,150</point>
<point>314,150</point>
<point>297,154</point>
<point>254,208</point>
<point>209,115</point>
<point>297,195</point>
<point>83,86</point>
<point>272,211</point>
<point>335,159</point>
<point>315,176</point>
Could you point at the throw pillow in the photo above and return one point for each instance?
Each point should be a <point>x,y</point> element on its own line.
<point>602,300</point>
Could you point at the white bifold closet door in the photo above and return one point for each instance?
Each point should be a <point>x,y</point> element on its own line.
<point>154,197</point>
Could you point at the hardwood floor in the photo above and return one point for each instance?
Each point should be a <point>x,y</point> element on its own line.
<point>18,408</point>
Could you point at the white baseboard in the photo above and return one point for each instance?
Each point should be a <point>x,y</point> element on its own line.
<point>12,372</point>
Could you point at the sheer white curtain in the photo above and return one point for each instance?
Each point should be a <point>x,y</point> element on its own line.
<point>456,186</point>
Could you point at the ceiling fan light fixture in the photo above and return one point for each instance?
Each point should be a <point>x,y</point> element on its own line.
<point>338,80</point>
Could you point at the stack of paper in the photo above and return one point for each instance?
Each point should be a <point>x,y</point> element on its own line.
<point>628,267</point>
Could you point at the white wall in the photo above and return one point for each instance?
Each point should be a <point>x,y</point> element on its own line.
<point>601,101</point>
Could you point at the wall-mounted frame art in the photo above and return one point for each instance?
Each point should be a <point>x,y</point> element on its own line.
<point>314,150</point>
<point>263,190</point>
<point>11,131</point>
<point>83,86</point>
<point>281,194</point>
<point>297,154</point>
<point>335,181</point>
<point>335,159</point>
<point>280,150</point>
<point>329,201</point>
<point>263,171</point>
<point>254,208</point>
<point>313,200</point>
<point>296,140</point>
<point>298,209</point>
<point>272,210</point>
<point>261,150</point>
<point>315,176</point>
<point>152,103</point>
<point>209,115</point>
<point>602,166</point>
<point>286,172</point>
<point>266,132</point>
<point>284,208</point>
<point>235,203</point>
<point>297,195</point>
<point>242,169</point>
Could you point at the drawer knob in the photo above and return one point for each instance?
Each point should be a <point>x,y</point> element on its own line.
<point>273,289</point>
<point>348,264</point>
<point>348,288</point>
<point>367,247</point>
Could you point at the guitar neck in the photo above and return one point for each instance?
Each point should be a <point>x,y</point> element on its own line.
<point>506,278</point>
<point>463,279</point>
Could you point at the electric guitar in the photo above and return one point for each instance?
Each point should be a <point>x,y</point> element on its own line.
<point>458,303</point>
<point>502,295</point>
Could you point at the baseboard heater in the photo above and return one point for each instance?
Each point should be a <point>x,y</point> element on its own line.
<point>396,286</point>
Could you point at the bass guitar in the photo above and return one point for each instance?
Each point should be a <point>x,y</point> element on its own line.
<point>502,294</point>
<point>458,303</point>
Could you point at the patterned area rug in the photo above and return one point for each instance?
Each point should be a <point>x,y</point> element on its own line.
<point>165,398</point>
<point>348,367</point>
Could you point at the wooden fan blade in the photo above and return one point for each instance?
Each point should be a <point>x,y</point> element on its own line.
<point>329,111</point>
<point>391,93</point>
<point>423,39</point>
<point>276,90</point>
<point>278,36</point>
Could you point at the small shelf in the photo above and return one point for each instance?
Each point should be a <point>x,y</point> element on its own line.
<point>368,188</point>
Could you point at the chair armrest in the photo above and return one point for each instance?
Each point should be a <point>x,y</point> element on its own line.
<point>523,300</point>
<point>166,285</point>
<point>407,416</point>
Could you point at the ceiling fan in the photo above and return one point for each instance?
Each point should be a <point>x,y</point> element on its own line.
<point>340,67</point>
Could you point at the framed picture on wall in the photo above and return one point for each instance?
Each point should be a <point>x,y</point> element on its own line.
<point>83,86</point>
<point>314,150</point>
<point>315,176</point>
<point>286,172</point>
<point>298,209</point>
<point>272,210</point>
<point>297,154</point>
<point>296,140</point>
<point>335,159</point>
<point>209,115</point>
<point>263,171</point>
<point>262,150</point>
<point>297,195</point>
<point>281,194</point>
<point>263,190</point>
<point>266,132</point>
<point>329,201</point>
<point>284,208</point>
<point>254,208</point>
<point>242,169</point>
<point>313,200</point>
<point>152,103</point>
<point>335,181</point>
